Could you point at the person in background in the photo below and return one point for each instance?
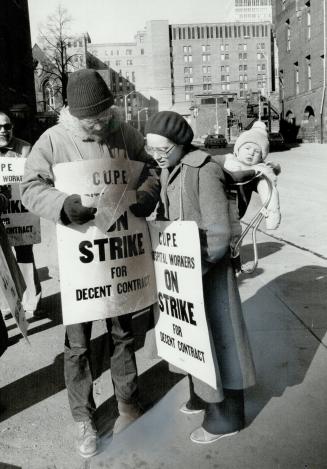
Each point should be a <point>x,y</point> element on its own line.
<point>89,128</point>
<point>11,146</point>
<point>193,189</point>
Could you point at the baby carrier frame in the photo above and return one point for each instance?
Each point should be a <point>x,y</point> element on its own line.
<point>235,181</point>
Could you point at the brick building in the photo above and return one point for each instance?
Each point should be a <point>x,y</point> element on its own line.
<point>172,65</point>
<point>300,27</point>
<point>16,64</point>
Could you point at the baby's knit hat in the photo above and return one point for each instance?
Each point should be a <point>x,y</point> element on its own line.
<point>171,125</point>
<point>257,134</point>
<point>87,93</point>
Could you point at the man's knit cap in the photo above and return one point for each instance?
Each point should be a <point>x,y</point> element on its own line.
<point>257,134</point>
<point>171,125</point>
<point>87,93</point>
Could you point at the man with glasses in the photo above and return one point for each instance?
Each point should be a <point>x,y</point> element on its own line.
<point>14,147</point>
<point>89,128</point>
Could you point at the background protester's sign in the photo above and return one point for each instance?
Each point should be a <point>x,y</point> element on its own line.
<point>181,329</point>
<point>9,278</point>
<point>22,227</point>
<point>105,265</point>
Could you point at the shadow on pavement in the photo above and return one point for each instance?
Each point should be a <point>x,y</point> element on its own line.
<point>45,382</point>
<point>281,333</point>
<point>153,386</point>
<point>8,466</point>
<point>264,250</point>
<point>51,309</point>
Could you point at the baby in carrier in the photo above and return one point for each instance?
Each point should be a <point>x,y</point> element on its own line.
<point>250,151</point>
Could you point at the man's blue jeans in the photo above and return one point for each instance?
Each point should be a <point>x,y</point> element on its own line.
<point>78,373</point>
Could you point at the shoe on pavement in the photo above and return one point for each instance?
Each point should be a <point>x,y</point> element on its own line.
<point>87,438</point>
<point>127,414</point>
<point>201,436</point>
<point>191,409</point>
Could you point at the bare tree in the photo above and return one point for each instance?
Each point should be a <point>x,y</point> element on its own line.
<point>55,38</point>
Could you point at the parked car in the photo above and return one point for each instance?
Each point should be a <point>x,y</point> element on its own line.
<point>199,141</point>
<point>276,141</point>
<point>215,140</point>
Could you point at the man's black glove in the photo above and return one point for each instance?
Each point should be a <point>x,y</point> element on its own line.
<point>144,206</point>
<point>74,212</point>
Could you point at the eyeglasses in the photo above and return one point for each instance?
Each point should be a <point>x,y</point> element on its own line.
<point>153,151</point>
<point>93,121</point>
<point>6,126</point>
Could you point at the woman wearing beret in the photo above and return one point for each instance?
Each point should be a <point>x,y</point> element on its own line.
<point>193,190</point>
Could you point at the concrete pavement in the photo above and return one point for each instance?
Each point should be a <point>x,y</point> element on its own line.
<point>285,310</point>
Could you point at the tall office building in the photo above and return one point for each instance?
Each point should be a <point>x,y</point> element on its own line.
<point>252,10</point>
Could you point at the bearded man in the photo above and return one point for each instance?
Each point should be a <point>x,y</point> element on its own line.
<point>89,128</point>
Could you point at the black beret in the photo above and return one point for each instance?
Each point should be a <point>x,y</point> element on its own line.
<point>171,125</point>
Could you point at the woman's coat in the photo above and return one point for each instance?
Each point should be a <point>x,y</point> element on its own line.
<point>194,190</point>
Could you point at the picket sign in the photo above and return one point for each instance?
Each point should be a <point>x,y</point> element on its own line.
<point>105,265</point>
<point>181,330</point>
<point>22,227</point>
<point>12,285</point>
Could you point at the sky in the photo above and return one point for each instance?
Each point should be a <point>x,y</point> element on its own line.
<point>119,20</point>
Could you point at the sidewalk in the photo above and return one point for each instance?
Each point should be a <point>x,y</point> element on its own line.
<point>284,305</point>
<point>285,410</point>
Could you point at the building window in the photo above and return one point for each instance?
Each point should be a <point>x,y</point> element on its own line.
<point>206,69</point>
<point>129,62</point>
<point>188,79</point>
<point>288,36</point>
<point>308,60</point>
<point>187,50</point>
<point>206,58</point>
<point>48,96</point>
<point>206,48</point>
<point>187,58</point>
<point>188,70</point>
<point>207,79</point>
<point>242,47</point>
<point>297,78</point>
<point>133,77</point>
<point>118,63</point>
<point>207,87</point>
<point>128,51</point>
<point>308,20</point>
<point>224,57</point>
<point>243,56</point>
<point>224,69</point>
<point>225,86</point>
<point>187,97</point>
<point>188,87</point>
